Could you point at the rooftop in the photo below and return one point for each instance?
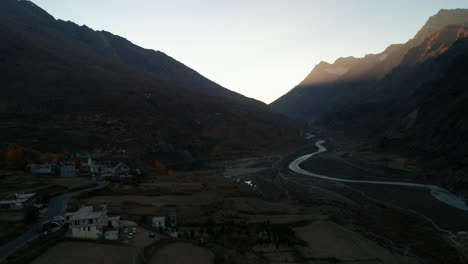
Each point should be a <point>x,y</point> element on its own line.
<point>87,212</point>
<point>13,201</point>
<point>24,195</point>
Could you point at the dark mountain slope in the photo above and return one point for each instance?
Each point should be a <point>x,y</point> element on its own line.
<point>419,112</point>
<point>421,66</point>
<point>28,18</point>
<point>65,86</point>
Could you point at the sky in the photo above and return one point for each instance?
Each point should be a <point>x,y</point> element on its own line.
<point>259,48</point>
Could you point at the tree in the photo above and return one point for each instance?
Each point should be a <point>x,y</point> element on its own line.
<point>2,158</point>
<point>170,173</point>
<point>160,167</point>
<point>195,177</point>
<point>206,182</point>
<point>15,158</point>
<point>216,150</point>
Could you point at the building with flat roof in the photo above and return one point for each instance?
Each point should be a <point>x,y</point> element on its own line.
<point>91,222</point>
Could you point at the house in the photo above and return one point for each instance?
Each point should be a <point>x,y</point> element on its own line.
<point>159,223</point>
<point>41,168</point>
<point>18,201</point>
<point>92,222</point>
<point>68,169</point>
<point>120,168</point>
<point>93,167</point>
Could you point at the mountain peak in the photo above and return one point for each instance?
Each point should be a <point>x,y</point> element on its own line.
<point>444,18</point>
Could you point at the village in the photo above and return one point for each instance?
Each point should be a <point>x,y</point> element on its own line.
<point>109,203</point>
<point>95,208</point>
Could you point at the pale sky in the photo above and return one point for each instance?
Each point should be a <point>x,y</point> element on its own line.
<point>259,48</point>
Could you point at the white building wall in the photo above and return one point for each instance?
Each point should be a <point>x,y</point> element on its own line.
<point>159,222</point>
<point>86,232</point>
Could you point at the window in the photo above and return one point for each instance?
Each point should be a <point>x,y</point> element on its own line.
<point>90,221</point>
<point>89,228</point>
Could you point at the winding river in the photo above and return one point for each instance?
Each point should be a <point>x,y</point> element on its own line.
<point>437,192</point>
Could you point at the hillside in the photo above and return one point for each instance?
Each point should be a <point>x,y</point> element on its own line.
<point>66,86</point>
<point>331,86</point>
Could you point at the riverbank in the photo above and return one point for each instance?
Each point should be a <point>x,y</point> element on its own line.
<point>448,214</point>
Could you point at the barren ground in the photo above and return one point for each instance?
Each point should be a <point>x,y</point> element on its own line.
<point>84,252</point>
<point>182,253</point>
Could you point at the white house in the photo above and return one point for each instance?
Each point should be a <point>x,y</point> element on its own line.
<point>68,170</point>
<point>41,168</point>
<point>159,223</point>
<point>93,167</point>
<point>91,222</point>
<point>17,201</point>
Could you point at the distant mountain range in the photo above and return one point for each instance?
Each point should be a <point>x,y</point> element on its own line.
<point>411,99</point>
<point>68,86</point>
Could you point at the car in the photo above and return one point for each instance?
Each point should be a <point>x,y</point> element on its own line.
<point>130,236</point>
<point>58,219</point>
<point>134,229</point>
<point>49,227</point>
<point>125,230</point>
<point>152,234</point>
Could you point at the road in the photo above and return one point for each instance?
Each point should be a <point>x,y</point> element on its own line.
<point>56,206</point>
<point>439,193</point>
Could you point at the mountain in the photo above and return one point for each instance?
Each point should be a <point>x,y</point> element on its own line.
<point>408,104</point>
<point>66,86</point>
<point>331,86</point>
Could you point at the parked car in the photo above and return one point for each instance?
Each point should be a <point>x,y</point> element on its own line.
<point>58,219</point>
<point>49,227</point>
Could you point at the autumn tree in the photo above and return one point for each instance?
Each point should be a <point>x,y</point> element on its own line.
<point>15,157</point>
<point>206,182</point>
<point>160,167</point>
<point>2,158</point>
<point>216,150</point>
<point>170,172</point>
<point>195,177</point>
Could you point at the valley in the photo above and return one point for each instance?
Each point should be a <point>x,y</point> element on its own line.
<point>262,192</point>
<point>114,153</point>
